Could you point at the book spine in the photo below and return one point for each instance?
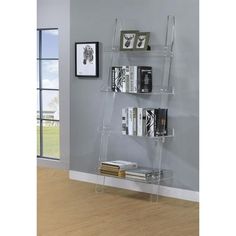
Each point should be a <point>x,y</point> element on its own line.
<point>127,120</point>
<point>161,122</point>
<point>135,121</point>
<point>139,121</point>
<point>124,121</point>
<point>131,79</point>
<point>113,78</point>
<point>156,122</point>
<point>135,79</point>
<point>118,79</point>
<point>144,121</point>
<point>150,118</point>
<point>138,80</point>
<point>130,121</point>
<point>123,79</point>
<point>145,79</point>
<point>127,78</point>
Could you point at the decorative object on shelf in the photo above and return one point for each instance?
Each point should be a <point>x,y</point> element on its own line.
<point>127,39</point>
<point>142,40</point>
<point>149,122</point>
<point>116,168</point>
<point>145,174</point>
<point>131,79</point>
<point>87,59</point>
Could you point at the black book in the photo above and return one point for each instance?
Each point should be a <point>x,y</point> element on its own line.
<point>144,79</point>
<point>161,118</point>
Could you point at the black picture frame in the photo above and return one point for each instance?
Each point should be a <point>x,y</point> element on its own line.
<point>87,59</point>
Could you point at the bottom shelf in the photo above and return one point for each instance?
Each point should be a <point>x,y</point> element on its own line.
<point>155,181</point>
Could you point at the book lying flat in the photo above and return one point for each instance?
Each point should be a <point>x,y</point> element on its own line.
<point>143,172</point>
<point>123,165</point>
<point>119,173</point>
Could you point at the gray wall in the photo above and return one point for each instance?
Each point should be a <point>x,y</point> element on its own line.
<point>56,14</point>
<point>93,20</point>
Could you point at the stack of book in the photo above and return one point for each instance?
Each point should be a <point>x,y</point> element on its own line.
<point>116,168</point>
<point>131,79</point>
<point>145,174</point>
<point>144,121</point>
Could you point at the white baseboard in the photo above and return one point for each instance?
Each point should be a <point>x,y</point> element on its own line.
<point>136,186</point>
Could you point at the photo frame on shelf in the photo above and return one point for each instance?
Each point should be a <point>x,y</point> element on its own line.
<point>141,41</point>
<point>127,39</point>
<point>87,59</point>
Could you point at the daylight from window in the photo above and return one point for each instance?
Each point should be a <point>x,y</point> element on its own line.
<point>48,122</point>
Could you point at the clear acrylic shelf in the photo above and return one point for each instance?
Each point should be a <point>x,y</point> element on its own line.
<point>156,50</point>
<point>155,181</point>
<point>108,130</point>
<point>156,91</point>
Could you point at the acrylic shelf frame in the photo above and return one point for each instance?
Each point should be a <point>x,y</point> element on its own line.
<point>165,51</point>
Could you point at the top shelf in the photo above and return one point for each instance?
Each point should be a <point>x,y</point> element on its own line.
<point>156,51</point>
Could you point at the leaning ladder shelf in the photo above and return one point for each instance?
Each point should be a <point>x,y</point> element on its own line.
<point>163,91</point>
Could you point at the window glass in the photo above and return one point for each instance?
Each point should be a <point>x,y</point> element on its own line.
<point>51,139</point>
<point>49,43</point>
<point>50,74</point>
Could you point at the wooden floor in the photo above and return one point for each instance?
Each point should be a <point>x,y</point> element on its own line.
<point>67,207</point>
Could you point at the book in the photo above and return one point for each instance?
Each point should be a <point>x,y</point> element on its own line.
<point>141,121</point>
<point>142,172</point>
<point>144,79</point>
<point>120,173</point>
<point>131,79</point>
<point>130,121</point>
<point>124,116</point>
<point>126,78</point>
<point>117,79</point>
<point>137,177</point>
<point>150,121</point>
<point>123,87</point>
<point>135,79</point>
<point>122,165</point>
<point>134,120</point>
<point>161,116</point>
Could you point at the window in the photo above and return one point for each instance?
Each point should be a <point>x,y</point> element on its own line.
<point>48,120</point>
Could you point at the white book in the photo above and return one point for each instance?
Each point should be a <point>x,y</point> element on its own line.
<point>127,78</point>
<point>131,79</point>
<point>135,79</point>
<point>130,121</point>
<point>135,177</point>
<point>123,165</point>
<point>139,121</point>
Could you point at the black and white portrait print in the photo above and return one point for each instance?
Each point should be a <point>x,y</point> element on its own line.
<point>142,40</point>
<point>127,40</point>
<point>88,55</point>
<point>87,59</point>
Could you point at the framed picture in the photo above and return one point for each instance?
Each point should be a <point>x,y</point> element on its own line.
<point>87,59</point>
<point>127,39</point>
<point>142,40</point>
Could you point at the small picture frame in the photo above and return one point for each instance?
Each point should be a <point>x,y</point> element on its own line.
<point>87,59</point>
<point>142,40</point>
<point>127,39</point>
